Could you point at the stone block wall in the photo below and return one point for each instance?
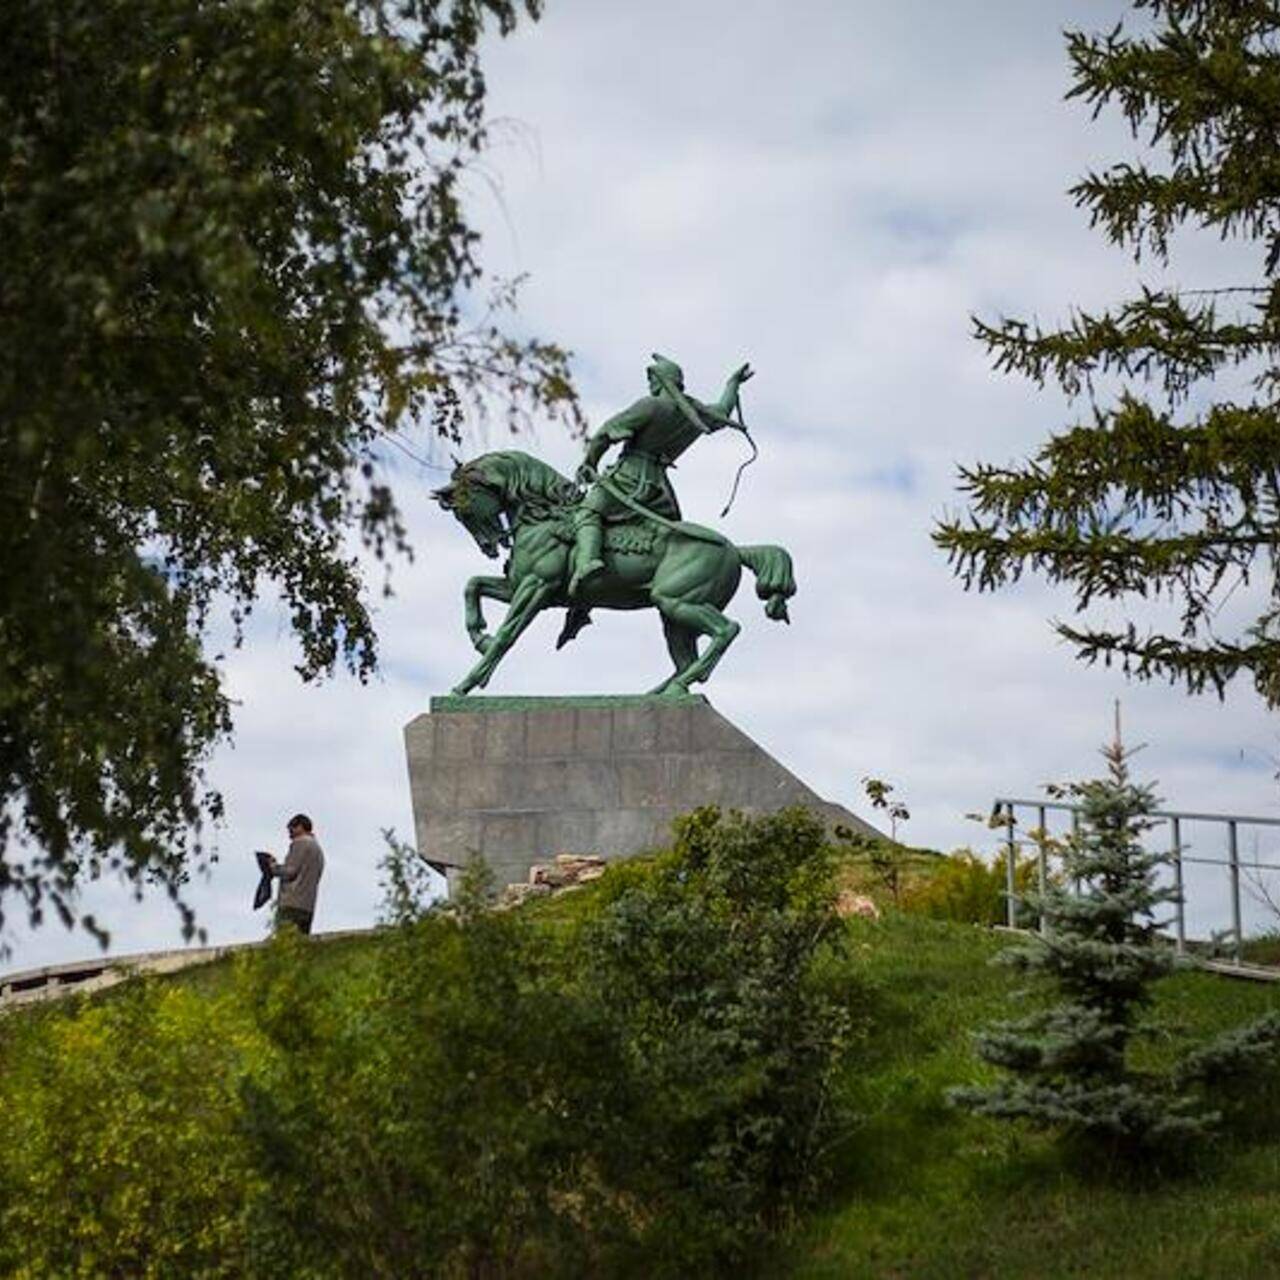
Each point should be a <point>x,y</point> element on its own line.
<point>520,780</point>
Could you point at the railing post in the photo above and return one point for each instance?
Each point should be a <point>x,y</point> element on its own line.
<point>1233,853</point>
<point>1075,832</point>
<point>1043,867</point>
<point>1181,903</point>
<point>1011,870</point>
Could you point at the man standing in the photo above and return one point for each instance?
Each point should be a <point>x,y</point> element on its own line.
<point>653,432</point>
<point>299,875</point>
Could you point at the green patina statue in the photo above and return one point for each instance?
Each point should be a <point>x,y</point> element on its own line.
<point>621,545</point>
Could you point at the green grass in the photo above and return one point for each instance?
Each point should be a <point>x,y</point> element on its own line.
<point>340,957</point>
<point>927,1191</point>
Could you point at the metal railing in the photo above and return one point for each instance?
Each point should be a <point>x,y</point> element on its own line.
<point>1003,813</point>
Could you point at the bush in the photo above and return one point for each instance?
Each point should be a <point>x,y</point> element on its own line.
<point>714,960</point>
<point>121,1151</point>
<point>434,1119</point>
<point>966,888</point>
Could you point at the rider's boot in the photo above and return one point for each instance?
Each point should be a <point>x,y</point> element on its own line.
<point>588,548</point>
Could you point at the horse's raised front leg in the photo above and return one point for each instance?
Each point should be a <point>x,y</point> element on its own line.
<point>477,589</point>
<point>527,601</point>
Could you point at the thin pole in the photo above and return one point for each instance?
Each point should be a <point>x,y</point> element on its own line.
<point>1075,831</point>
<point>1043,859</point>
<point>1233,854</point>
<point>1176,851</point>
<point>1011,870</point>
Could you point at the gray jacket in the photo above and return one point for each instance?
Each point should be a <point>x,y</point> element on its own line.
<point>300,873</point>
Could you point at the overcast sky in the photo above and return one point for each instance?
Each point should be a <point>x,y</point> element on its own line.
<point>829,190</point>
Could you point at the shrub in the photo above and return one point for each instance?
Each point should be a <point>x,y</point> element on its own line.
<point>420,1118</point>
<point>405,881</point>
<point>435,1123</point>
<point>121,1154</point>
<point>966,888</point>
<point>711,958</point>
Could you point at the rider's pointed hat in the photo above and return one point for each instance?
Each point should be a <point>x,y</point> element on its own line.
<point>667,371</point>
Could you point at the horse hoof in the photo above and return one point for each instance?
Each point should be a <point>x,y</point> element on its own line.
<point>669,689</point>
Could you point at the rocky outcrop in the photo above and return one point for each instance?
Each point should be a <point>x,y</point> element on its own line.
<point>564,871</point>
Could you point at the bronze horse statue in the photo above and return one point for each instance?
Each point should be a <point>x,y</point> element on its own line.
<point>510,500</point>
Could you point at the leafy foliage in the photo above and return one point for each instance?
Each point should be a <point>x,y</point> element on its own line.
<point>880,867</point>
<point>233,262</point>
<point>649,1092</point>
<point>1145,500</point>
<point>405,883</point>
<point>714,959</point>
<point>123,1151</point>
<point>1070,1063</point>
<point>434,1124</point>
<point>880,794</point>
<point>965,887</point>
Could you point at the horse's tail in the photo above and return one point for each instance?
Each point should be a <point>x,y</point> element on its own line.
<point>775,578</point>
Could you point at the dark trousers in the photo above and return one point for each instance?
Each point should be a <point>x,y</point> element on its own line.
<point>295,916</point>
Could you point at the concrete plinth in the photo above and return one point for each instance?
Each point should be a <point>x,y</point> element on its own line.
<point>519,780</point>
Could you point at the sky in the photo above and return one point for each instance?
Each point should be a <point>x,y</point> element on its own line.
<point>831,191</point>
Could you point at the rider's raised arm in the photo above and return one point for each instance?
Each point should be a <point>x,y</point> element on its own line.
<point>729,396</point>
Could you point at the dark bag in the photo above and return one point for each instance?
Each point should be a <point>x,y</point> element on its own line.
<point>263,892</point>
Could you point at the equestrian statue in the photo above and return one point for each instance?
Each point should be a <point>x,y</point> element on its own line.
<point>616,538</point>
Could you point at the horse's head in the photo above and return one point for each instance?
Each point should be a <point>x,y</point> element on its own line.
<point>493,493</point>
<point>476,498</point>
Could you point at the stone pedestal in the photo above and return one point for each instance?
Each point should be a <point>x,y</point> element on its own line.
<point>520,780</point>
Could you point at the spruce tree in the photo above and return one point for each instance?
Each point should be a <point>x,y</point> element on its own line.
<point>1069,1063</point>
<point>1144,497</point>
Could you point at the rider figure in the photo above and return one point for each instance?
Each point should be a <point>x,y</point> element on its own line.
<point>653,432</point>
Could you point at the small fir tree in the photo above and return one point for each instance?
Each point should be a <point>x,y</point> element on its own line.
<point>1069,1063</point>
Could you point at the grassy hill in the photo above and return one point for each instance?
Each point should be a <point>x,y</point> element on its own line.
<point>923,1190</point>
<point>927,1191</point>
<point>919,1189</point>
